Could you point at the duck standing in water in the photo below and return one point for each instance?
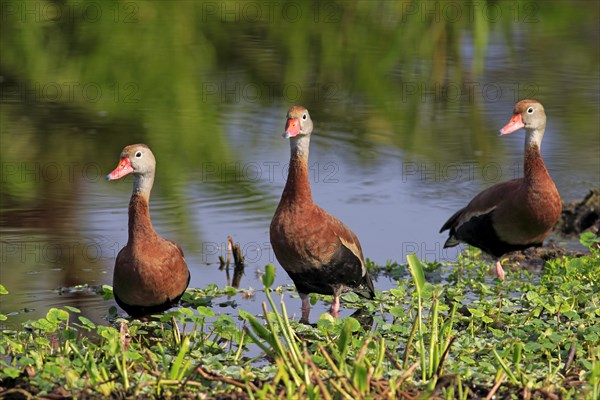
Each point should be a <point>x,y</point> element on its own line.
<point>517,214</point>
<point>319,253</point>
<point>150,273</point>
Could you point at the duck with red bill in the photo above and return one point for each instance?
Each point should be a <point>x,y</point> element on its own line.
<point>517,214</point>
<point>150,272</point>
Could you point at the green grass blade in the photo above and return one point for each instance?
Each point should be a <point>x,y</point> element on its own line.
<point>416,270</point>
<point>509,373</point>
<point>177,364</point>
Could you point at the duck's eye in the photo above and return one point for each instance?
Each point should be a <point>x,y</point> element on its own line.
<point>304,117</point>
<point>138,154</point>
<point>530,110</point>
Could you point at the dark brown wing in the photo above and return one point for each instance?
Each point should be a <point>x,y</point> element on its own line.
<point>150,275</point>
<point>476,223</point>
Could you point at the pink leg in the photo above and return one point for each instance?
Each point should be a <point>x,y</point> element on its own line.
<point>499,270</point>
<point>335,306</point>
<point>305,307</point>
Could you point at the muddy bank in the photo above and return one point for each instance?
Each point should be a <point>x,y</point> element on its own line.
<point>580,215</point>
<point>537,256</point>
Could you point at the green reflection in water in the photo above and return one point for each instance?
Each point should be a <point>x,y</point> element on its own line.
<point>142,71</point>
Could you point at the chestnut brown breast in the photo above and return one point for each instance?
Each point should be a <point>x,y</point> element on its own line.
<point>150,273</point>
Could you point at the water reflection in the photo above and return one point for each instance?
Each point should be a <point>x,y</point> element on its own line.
<point>405,97</point>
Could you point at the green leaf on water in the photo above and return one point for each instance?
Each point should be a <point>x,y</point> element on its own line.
<point>44,325</point>
<point>133,356</point>
<point>572,315</point>
<point>86,322</point>
<point>398,311</point>
<point>498,333</point>
<point>26,361</point>
<point>205,311</point>
<point>107,292</point>
<point>3,289</point>
<point>475,312</point>
<point>532,347</point>
<point>230,291</point>
<point>55,315</point>
<point>467,360</point>
<point>533,297</point>
<point>327,323</point>
<point>186,311</point>
<point>352,324</point>
<point>588,239</point>
<point>549,345</point>
<point>12,372</point>
<point>399,293</point>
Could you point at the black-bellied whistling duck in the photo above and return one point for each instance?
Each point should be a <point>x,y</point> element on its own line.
<point>318,252</point>
<point>517,214</point>
<point>150,272</point>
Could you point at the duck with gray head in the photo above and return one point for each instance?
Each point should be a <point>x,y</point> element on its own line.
<point>150,273</point>
<point>319,253</point>
<point>517,214</point>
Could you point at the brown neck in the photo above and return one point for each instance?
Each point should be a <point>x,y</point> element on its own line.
<point>534,169</point>
<point>297,187</point>
<point>140,225</point>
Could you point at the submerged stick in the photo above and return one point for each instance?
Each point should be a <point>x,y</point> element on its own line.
<point>238,260</point>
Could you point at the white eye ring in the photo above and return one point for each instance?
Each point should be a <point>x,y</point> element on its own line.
<point>304,117</point>
<point>530,110</point>
<point>138,154</point>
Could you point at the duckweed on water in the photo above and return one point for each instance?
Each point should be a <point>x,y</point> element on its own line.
<point>464,336</point>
